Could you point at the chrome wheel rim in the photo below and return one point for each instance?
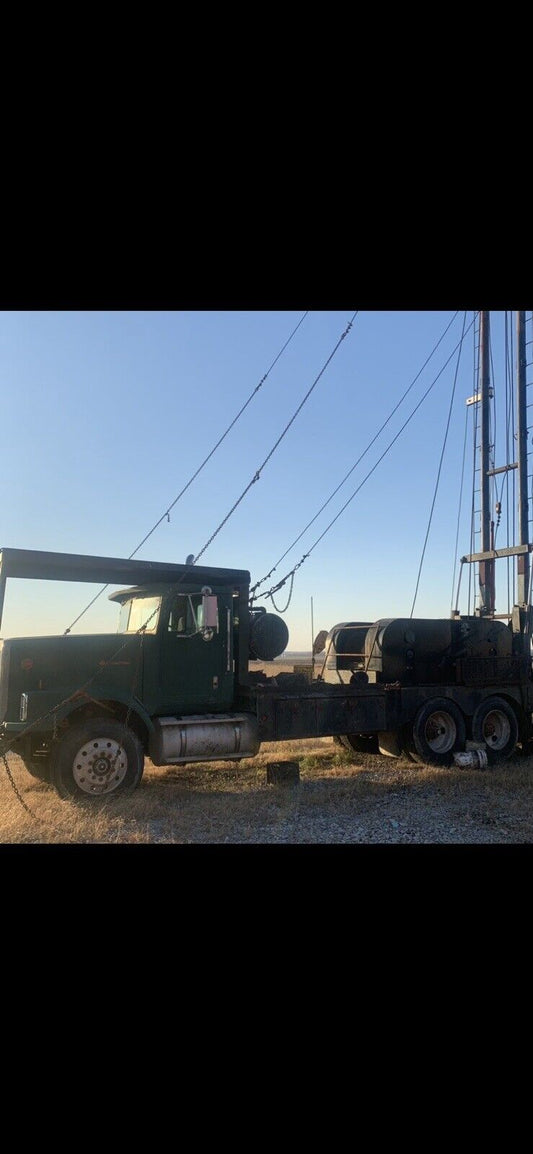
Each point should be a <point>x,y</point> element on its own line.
<point>99,766</point>
<point>496,729</point>
<point>440,732</point>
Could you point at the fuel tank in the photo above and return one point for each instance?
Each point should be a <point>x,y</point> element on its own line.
<point>204,737</point>
<point>268,635</point>
<point>425,651</point>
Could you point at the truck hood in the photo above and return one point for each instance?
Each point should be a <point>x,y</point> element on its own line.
<point>99,664</point>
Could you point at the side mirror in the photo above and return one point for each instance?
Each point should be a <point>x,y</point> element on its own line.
<point>209,610</point>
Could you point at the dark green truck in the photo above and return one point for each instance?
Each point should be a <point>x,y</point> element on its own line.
<point>174,682</point>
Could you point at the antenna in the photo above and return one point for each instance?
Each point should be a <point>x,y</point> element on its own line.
<point>312,642</point>
<point>523,561</point>
<point>487,565</point>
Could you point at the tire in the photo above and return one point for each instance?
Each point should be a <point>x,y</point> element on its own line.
<point>97,760</point>
<point>40,768</point>
<point>439,731</point>
<point>360,742</point>
<point>496,724</point>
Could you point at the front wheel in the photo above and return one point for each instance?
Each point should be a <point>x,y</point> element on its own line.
<point>39,768</point>
<point>439,731</point>
<point>96,760</point>
<point>495,723</point>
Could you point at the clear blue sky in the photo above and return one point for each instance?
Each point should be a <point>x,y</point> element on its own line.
<point>106,415</point>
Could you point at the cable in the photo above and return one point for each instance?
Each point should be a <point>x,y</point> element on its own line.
<point>365,479</point>
<point>170,592</point>
<point>219,442</point>
<point>199,469</point>
<point>350,471</point>
<point>285,607</point>
<point>439,469</point>
<point>280,438</point>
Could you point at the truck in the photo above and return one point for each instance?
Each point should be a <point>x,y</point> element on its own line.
<point>175,683</point>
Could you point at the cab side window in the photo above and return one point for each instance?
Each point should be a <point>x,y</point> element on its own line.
<point>178,616</point>
<point>185,614</point>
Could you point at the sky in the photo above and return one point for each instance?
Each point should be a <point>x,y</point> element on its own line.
<point>107,415</point>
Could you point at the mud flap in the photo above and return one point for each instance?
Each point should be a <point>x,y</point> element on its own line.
<point>389,743</point>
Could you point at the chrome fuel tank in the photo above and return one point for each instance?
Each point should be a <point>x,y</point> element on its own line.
<point>206,737</point>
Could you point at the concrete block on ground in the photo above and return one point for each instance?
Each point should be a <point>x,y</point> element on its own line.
<point>283,772</point>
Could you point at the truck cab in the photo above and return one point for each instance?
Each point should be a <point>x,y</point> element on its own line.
<point>180,654</point>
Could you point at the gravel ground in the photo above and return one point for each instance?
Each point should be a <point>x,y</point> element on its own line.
<point>366,801</point>
<point>373,801</point>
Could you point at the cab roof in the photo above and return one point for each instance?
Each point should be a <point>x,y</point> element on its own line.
<point>36,564</point>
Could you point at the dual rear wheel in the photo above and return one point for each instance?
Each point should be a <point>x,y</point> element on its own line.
<point>439,731</point>
<point>495,723</point>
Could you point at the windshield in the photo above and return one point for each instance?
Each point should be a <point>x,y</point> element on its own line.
<point>139,611</point>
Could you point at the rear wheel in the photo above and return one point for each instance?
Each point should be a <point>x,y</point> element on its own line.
<point>359,742</point>
<point>495,723</point>
<point>438,732</point>
<point>96,760</point>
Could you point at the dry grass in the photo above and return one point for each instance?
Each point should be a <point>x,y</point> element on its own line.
<point>167,801</point>
<point>340,798</point>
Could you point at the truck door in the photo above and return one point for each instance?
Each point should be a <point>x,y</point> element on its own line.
<point>197,652</point>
